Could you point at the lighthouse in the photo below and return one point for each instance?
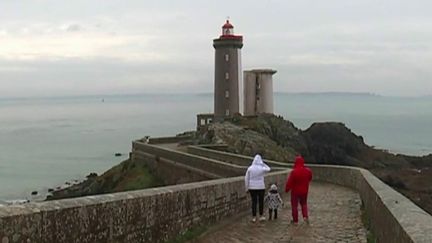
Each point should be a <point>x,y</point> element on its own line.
<point>227,86</point>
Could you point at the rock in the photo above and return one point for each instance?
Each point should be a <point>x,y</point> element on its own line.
<point>118,154</point>
<point>246,142</point>
<point>50,189</point>
<point>278,139</point>
<point>34,193</point>
<point>283,132</point>
<point>334,143</point>
<point>91,175</point>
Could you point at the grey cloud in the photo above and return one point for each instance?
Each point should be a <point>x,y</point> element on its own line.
<point>333,45</point>
<point>73,28</point>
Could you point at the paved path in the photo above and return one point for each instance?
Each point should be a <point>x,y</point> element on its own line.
<point>335,216</point>
<point>173,146</point>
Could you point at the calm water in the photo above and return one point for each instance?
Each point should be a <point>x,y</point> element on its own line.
<point>45,142</point>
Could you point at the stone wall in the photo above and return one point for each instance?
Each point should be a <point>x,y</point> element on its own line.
<point>393,217</point>
<point>231,158</point>
<point>171,172</point>
<point>151,215</point>
<point>215,167</point>
<point>219,147</point>
<point>158,214</point>
<point>175,139</point>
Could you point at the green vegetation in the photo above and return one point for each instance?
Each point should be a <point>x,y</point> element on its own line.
<point>394,182</point>
<point>189,235</point>
<point>125,176</point>
<point>366,222</point>
<point>138,178</point>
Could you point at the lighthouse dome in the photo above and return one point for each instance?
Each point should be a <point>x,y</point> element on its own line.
<point>227,29</point>
<point>227,25</point>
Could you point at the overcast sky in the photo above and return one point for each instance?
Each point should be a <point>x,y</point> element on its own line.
<point>63,47</point>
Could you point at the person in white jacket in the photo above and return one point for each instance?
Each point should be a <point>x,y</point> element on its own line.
<point>254,184</point>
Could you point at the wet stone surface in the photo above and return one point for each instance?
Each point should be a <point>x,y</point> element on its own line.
<point>334,214</point>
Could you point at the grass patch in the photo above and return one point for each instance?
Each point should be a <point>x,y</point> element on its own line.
<point>189,235</point>
<point>137,176</point>
<point>127,175</point>
<point>366,222</point>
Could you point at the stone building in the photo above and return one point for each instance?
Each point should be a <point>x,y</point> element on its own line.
<point>258,91</point>
<point>227,84</point>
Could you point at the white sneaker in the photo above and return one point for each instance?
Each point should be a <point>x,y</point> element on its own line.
<point>262,218</point>
<point>253,219</point>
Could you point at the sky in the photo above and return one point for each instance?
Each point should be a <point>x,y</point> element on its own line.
<point>86,47</point>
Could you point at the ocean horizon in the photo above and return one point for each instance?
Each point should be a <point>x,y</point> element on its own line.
<point>47,141</point>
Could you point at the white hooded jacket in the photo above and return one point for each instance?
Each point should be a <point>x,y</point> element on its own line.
<point>254,178</point>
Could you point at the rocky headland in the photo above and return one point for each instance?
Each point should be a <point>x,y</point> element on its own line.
<point>325,143</point>
<point>278,139</point>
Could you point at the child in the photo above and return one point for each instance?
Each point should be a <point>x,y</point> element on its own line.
<point>273,200</point>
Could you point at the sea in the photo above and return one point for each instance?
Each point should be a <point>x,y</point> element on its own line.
<point>52,142</point>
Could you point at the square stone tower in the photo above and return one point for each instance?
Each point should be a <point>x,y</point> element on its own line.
<point>258,91</point>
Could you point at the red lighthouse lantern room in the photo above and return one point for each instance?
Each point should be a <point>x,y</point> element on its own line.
<point>227,29</point>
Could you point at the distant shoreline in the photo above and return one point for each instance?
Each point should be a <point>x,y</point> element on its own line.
<point>105,96</point>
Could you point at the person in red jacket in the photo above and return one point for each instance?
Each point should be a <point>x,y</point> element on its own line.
<point>298,183</point>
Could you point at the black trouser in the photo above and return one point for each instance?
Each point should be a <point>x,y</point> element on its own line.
<point>257,196</point>
<point>275,213</point>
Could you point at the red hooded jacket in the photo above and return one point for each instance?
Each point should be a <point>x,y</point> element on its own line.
<point>299,178</point>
